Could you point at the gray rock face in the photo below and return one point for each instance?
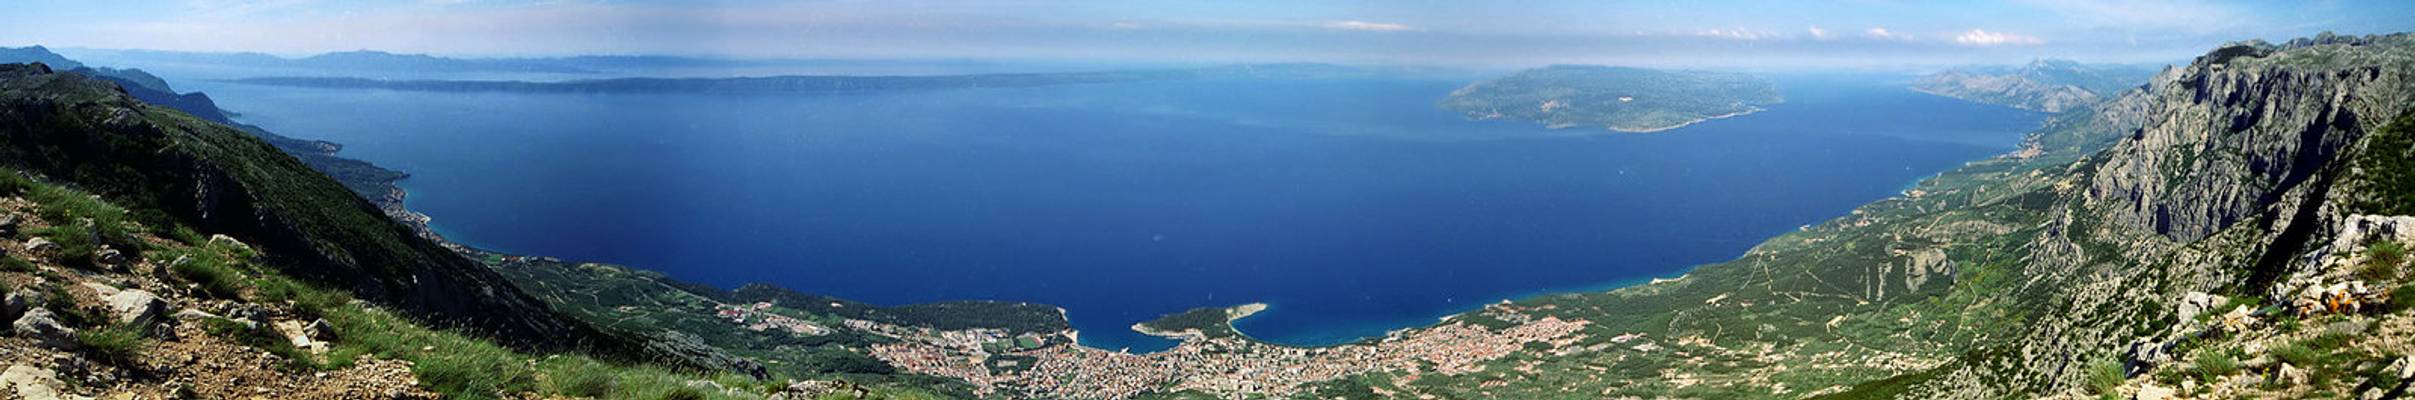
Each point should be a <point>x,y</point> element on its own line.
<point>38,324</point>
<point>137,307</point>
<point>2246,129</point>
<point>2222,183</point>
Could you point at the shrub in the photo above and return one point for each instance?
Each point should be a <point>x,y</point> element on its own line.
<point>2382,260</point>
<point>2298,354</point>
<point>213,276</point>
<point>14,184</point>
<point>2402,298</point>
<point>2106,374</point>
<point>307,300</point>
<point>2212,364</point>
<point>14,264</point>
<point>113,342</point>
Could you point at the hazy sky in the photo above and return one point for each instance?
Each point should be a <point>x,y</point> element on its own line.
<point>1489,33</point>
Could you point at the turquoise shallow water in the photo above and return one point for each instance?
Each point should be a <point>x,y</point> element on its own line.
<point>1352,206</point>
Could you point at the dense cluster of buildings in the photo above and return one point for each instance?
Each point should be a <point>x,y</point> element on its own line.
<point>1229,366</point>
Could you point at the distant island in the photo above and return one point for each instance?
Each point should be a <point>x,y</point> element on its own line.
<point>817,84</point>
<point>2047,85</point>
<point>1619,98</point>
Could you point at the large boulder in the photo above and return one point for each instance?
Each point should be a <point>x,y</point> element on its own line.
<point>137,307</point>
<point>15,304</point>
<point>2194,304</point>
<point>40,246</point>
<point>30,383</point>
<point>43,327</point>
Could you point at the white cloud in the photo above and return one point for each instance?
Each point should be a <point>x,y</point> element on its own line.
<point>1880,32</point>
<point>1737,34</point>
<point>1977,37</point>
<point>1368,26</point>
<point>1817,33</point>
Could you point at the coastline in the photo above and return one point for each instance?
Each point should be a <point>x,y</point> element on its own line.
<point>1753,109</point>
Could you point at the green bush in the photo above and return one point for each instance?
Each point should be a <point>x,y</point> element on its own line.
<point>2382,261</point>
<point>2298,354</point>
<point>308,300</point>
<point>14,184</point>
<point>2402,298</point>
<point>2212,364</point>
<point>112,343</point>
<point>14,264</point>
<point>212,275</point>
<point>2106,374</point>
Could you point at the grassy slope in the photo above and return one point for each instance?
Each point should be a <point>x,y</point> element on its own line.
<point>177,168</point>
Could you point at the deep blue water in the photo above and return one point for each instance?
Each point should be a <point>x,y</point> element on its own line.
<point>1352,206</point>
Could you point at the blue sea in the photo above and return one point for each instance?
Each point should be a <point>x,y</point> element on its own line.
<point>1352,206</point>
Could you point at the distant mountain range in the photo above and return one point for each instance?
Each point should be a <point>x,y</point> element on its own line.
<point>361,60</point>
<point>2048,85</point>
<point>1618,98</point>
<point>816,84</point>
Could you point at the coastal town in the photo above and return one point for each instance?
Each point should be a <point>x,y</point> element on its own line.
<point>1232,366</point>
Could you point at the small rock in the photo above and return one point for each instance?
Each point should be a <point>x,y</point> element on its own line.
<point>2152,392</point>
<point>2291,374</point>
<point>109,256</point>
<point>40,246</point>
<point>193,315</point>
<point>8,225</point>
<point>137,307</point>
<point>319,329</point>
<point>100,290</point>
<point>230,241</point>
<point>38,324</point>
<point>246,311</point>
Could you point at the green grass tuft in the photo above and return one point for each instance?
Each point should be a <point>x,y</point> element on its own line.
<point>2212,364</point>
<point>2106,374</point>
<point>209,273</point>
<point>114,343</point>
<point>2382,261</point>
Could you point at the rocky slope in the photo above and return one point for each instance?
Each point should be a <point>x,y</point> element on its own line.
<point>2043,85</point>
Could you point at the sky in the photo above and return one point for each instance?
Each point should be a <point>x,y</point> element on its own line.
<point>1714,33</point>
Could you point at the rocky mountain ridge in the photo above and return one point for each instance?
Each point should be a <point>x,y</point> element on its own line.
<point>2047,85</point>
